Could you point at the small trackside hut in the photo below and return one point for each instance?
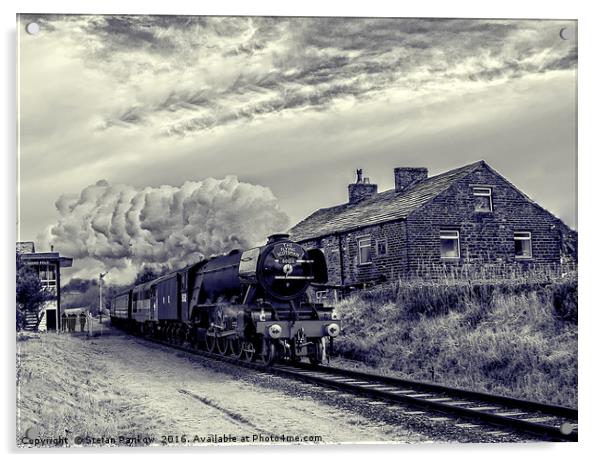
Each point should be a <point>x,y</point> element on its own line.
<point>48,266</point>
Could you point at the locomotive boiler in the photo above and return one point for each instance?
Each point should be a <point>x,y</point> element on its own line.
<point>253,304</point>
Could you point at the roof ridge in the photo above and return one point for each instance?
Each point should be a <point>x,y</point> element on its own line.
<point>386,205</point>
<point>473,165</point>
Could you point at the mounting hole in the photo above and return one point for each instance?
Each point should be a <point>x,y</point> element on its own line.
<point>566,428</point>
<point>567,33</point>
<point>32,28</point>
<point>32,433</point>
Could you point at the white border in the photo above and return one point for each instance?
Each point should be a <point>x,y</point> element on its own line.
<point>589,220</point>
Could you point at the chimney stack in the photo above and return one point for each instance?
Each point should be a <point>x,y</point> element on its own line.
<point>361,189</point>
<point>409,176</point>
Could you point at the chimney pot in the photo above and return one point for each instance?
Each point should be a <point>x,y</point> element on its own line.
<point>361,189</point>
<point>409,176</point>
<point>359,173</point>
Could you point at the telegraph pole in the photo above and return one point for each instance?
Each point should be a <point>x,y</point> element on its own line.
<point>100,279</point>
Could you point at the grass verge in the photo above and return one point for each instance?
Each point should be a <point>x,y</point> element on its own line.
<point>511,337</point>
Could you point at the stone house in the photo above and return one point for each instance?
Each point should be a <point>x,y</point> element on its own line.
<point>464,222</point>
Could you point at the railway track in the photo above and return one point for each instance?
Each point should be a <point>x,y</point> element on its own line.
<point>551,422</point>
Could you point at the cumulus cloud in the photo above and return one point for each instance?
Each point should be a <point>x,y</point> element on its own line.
<point>120,228</point>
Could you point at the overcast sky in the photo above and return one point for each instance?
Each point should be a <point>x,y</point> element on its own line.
<point>295,105</point>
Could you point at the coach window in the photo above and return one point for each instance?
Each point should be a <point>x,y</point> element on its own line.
<point>482,199</point>
<point>364,245</point>
<point>450,243</point>
<point>522,244</point>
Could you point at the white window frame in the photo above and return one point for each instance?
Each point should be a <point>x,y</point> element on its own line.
<point>526,236</point>
<point>361,245</point>
<point>451,234</point>
<point>43,269</point>
<point>483,191</point>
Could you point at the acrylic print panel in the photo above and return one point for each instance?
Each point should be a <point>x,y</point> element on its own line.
<point>253,230</point>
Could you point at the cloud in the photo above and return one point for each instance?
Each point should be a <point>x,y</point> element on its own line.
<point>120,228</point>
<point>187,75</point>
<point>295,104</point>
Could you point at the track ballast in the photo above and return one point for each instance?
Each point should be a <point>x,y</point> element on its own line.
<point>551,422</point>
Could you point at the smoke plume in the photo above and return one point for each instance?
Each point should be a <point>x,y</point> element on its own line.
<point>120,228</point>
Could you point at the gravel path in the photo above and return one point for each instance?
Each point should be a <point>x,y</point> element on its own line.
<point>116,386</point>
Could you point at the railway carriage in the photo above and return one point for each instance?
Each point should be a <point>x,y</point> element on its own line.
<point>121,306</point>
<point>252,304</point>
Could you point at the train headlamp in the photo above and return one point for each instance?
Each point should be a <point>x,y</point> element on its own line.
<point>334,314</point>
<point>275,331</point>
<point>333,330</point>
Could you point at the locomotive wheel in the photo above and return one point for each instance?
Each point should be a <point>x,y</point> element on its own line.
<point>222,344</point>
<point>268,353</point>
<point>248,351</point>
<point>183,335</point>
<point>191,337</point>
<point>316,357</point>
<point>210,342</point>
<point>236,345</point>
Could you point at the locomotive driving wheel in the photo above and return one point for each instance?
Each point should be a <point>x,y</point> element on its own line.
<point>210,341</point>
<point>247,352</point>
<point>236,346</point>
<point>222,344</point>
<point>268,353</point>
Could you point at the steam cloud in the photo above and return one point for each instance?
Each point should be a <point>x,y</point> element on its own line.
<point>120,228</point>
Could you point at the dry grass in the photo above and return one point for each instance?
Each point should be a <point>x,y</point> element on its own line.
<point>513,337</point>
<point>63,389</point>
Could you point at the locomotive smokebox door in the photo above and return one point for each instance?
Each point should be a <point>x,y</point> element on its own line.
<point>284,269</point>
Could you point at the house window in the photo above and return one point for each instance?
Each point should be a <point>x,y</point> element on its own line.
<point>364,245</point>
<point>381,247</point>
<point>482,199</point>
<point>450,243</point>
<point>522,244</point>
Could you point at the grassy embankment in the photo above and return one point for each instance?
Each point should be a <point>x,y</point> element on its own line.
<point>515,337</point>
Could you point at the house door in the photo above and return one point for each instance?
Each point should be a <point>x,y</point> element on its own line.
<point>51,319</point>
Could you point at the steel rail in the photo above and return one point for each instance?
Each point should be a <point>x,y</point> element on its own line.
<point>380,387</point>
<point>553,409</point>
<point>433,403</point>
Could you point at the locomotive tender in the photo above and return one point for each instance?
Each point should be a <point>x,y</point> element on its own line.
<point>250,304</point>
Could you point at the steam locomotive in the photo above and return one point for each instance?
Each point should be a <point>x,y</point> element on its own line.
<point>252,304</point>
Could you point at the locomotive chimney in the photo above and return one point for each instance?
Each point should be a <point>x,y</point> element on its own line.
<point>278,237</point>
<point>361,189</point>
<point>409,176</point>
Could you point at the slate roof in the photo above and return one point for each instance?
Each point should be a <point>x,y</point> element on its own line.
<point>382,207</point>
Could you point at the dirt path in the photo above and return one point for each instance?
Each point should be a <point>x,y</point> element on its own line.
<point>119,386</point>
